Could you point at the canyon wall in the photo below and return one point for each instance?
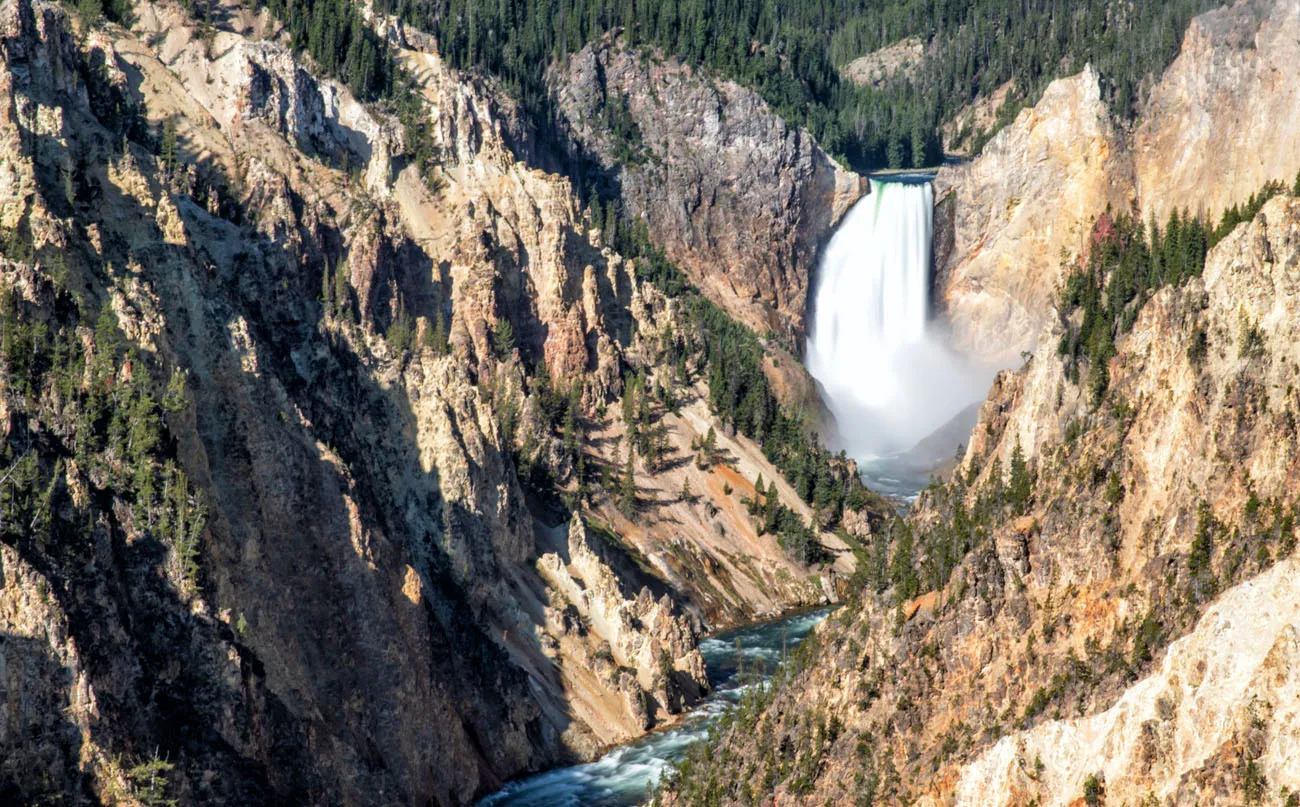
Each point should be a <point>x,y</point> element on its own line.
<point>1119,627</point>
<point>1225,118</point>
<point>1101,612</point>
<point>1216,430</point>
<point>1216,126</point>
<point>734,195</point>
<point>368,597</point>
<point>1006,218</point>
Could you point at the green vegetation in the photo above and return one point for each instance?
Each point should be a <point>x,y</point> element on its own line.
<point>1198,562</point>
<point>731,357</point>
<point>1094,791</point>
<point>503,338</point>
<point>790,53</point>
<point>907,561</point>
<point>740,393</point>
<point>401,331</point>
<point>149,783</point>
<point>1127,264</point>
<point>437,336</point>
<point>340,42</point>
<point>1240,213</point>
<point>95,11</point>
<point>91,402</point>
<point>1250,773</point>
<point>336,292</point>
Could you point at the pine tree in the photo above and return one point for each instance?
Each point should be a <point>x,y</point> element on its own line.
<point>503,338</point>
<point>400,331</point>
<point>107,342</point>
<point>627,488</point>
<point>630,422</point>
<point>902,566</point>
<point>327,291</point>
<point>342,292</point>
<point>167,148</point>
<point>1202,552</point>
<point>771,512</point>
<point>91,11</point>
<point>174,399</point>
<point>687,495</point>
<point>1020,486</point>
<point>435,335</point>
<point>570,428</point>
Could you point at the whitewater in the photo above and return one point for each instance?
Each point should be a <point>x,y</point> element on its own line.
<point>628,774</point>
<point>880,358</point>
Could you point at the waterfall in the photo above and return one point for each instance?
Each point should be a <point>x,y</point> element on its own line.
<point>883,365</point>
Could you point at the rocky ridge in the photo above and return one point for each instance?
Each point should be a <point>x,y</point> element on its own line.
<point>1214,130</point>
<point>1044,667</point>
<point>357,477</point>
<point>736,197</point>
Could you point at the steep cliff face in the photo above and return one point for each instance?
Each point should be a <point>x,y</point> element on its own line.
<point>1217,126</point>
<point>1223,119</point>
<point>1006,219</point>
<point>362,597</point>
<point>320,526</point>
<point>1216,720</point>
<point>734,196</point>
<point>1042,668</point>
<point>1213,427</point>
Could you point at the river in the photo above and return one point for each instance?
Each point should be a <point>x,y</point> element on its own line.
<point>625,775</point>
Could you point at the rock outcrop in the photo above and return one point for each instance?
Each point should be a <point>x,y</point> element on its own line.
<point>878,67</point>
<point>1130,632</point>
<point>619,633</point>
<point>1220,711</point>
<point>736,197</point>
<point>1218,124</point>
<point>353,608</point>
<point>1007,220</point>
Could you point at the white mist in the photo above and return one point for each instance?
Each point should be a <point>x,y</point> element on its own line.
<point>885,370</point>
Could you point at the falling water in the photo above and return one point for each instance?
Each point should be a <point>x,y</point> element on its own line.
<point>885,371</point>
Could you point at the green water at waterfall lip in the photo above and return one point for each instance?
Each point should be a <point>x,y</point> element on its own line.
<point>625,776</point>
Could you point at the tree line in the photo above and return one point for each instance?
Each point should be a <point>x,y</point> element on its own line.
<point>730,356</point>
<point>1129,261</point>
<point>791,52</point>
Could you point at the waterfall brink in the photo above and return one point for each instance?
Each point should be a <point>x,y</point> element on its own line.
<point>885,371</point>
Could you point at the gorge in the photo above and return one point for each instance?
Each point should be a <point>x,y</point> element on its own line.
<point>430,402</point>
<point>739,661</point>
<point>889,381</point>
<point>1103,613</point>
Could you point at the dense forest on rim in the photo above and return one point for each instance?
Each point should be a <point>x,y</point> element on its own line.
<point>791,52</point>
